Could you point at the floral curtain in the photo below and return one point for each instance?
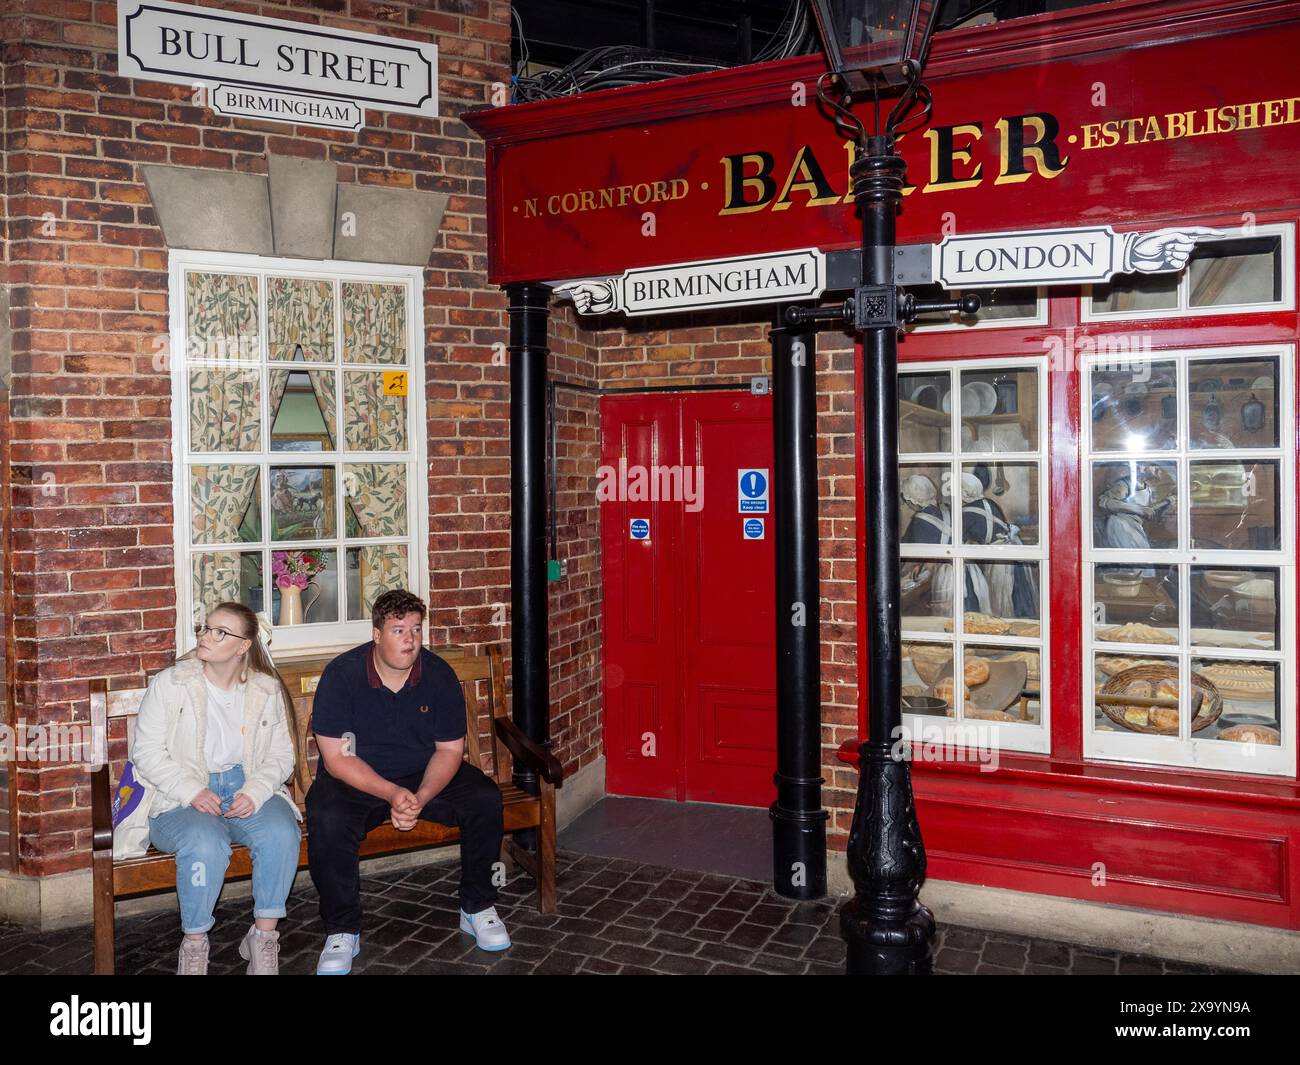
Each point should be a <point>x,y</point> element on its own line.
<point>322,386</point>
<point>221,316</point>
<point>374,323</point>
<point>225,410</point>
<point>219,497</point>
<point>376,494</point>
<point>372,421</point>
<point>300,314</point>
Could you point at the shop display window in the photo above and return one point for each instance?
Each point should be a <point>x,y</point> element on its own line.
<point>973,568</point>
<point>1246,269</point>
<point>998,307</point>
<point>1189,552</point>
<point>299,482</point>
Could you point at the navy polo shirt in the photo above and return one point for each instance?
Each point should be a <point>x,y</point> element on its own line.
<point>395,733</point>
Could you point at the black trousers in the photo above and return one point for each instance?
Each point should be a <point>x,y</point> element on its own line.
<point>339,816</point>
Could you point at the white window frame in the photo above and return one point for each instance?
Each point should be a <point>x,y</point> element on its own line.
<point>1028,737</point>
<point>312,638</point>
<point>1186,751</point>
<point>1285,230</point>
<point>957,324</point>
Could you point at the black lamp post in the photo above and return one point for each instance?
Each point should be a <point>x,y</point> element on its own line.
<point>876,51</point>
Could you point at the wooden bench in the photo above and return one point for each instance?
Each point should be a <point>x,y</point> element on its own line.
<point>155,872</point>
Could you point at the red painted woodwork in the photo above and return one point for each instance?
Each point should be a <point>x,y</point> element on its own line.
<point>680,131</point>
<point>690,634</point>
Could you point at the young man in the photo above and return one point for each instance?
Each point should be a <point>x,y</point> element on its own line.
<point>389,719</point>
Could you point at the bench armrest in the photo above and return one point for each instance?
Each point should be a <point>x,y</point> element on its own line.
<point>101,811</point>
<point>524,750</point>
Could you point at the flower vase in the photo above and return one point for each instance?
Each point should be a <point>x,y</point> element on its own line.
<point>290,605</point>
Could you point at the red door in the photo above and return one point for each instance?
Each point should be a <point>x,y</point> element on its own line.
<point>689,603</point>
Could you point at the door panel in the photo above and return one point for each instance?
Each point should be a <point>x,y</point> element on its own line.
<point>689,636</point>
<point>729,630</point>
<point>641,681</point>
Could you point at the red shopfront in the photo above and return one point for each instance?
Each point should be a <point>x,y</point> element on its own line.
<point>1099,484</point>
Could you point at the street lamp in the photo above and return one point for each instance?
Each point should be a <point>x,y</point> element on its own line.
<point>876,50</point>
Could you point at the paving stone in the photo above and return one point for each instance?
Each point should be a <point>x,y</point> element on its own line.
<point>956,961</point>
<point>1046,952</point>
<point>558,963</point>
<point>680,965</point>
<point>995,970</point>
<point>1092,964</point>
<point>748,935</point>
<point>720,920</point>
<point>630,955</point>
<point>1004,954</point>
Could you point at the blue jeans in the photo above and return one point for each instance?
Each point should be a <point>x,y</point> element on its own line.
<point>201,843</point>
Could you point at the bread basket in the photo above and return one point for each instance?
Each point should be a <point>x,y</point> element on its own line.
<point>1119,684</point>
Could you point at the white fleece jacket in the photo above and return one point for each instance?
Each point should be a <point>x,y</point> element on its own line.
<point>170,729</point>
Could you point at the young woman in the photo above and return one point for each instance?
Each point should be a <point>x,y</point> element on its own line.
<point>214,744</point>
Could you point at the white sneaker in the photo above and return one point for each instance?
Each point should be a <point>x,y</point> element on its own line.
<point>193,960</point>
<point>486,928</point>
<point>336,958</point>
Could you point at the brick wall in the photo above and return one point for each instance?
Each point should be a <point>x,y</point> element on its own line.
<point>93,559</point>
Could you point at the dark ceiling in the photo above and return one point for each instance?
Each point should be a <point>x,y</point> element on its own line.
<point>727,32</point>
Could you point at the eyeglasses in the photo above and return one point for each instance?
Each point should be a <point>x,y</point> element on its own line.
<point>217,634</point>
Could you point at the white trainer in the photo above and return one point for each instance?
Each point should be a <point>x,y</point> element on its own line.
<point>487,929</point>
<point>336,958</point>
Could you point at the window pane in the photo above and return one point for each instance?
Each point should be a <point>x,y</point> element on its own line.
<point>926,595</point>
<point>996,304</point>
<point>924,427</point>
<point>1226,273</point>
<point>1000,503</point>
<point>1136,604</point>
<point>372,419</point>
<point>300,319</point>
<point>225,504</point>
<point>374,323</point>
<point>1136,695</point>
<point>1135,505</point>
<point>221,320</point>
<point>1235,506</point>
<point>373,570</point>
<point>302,502</point>
<point>1004,684</point>
<point>1136,292</point>
<point>225,410</point>
<point>999,303</point>
<point>1134,407</point>
<point>302,410</point>
<point>306,586</point>
<point>1233,403</point>
<point>1250,691</point>
<point>375,497</point>
<point>225,576</point>
<point>997,594</point>
<point>925,513</point>
<point>923,664</point>
<point>999,410</point>
<point>1234,606</point>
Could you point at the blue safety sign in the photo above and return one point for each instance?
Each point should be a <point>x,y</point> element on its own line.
<point>752,489</point>
<point>640,529</point>
<point>753,528</point>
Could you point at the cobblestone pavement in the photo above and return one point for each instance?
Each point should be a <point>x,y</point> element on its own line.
<point>615,917</point>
